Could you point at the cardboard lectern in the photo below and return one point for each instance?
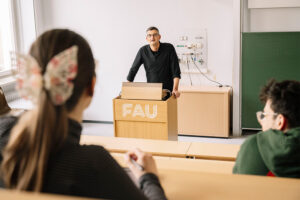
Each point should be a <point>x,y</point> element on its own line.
<point>137,114</point>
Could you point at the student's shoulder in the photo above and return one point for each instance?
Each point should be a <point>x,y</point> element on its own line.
<point>8,118</point>
<point>97,156</point>
<point>7,122</point>
<point>249,160</point>
<point>93,149</point>
<point>250,142</point>
<point>11,117</point>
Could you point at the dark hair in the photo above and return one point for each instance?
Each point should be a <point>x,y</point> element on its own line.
<point>151,28</point>
<point>285,99</point>
<point>41,131</point>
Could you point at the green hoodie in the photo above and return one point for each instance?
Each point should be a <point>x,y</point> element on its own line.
<point>271,150</point>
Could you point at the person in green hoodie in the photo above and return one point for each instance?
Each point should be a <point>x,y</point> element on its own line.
<point>275,151</point>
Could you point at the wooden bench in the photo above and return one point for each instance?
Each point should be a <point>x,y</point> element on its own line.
<point>17,195</point>
<point>197,150</point>
<point>179,184</point>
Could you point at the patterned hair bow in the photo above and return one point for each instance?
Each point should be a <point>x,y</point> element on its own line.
<point>57,80</point>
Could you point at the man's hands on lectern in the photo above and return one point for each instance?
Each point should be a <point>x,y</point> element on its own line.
<point>176,93</point>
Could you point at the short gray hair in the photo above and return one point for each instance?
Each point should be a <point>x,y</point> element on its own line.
<point>151,28</point>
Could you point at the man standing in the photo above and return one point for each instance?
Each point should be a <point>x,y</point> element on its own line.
<point>275,151</point>
<point>160,61</point>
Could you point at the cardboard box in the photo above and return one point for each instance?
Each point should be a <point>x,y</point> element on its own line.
<point>138,90</point>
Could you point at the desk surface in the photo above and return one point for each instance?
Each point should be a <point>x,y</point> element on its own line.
<point>214,151</point>
<point>210,151</point>
<point>209,186</point>
<point>155,147</point>
<point>184,164</point>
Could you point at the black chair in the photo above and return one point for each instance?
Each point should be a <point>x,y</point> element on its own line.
<point>4,107</point>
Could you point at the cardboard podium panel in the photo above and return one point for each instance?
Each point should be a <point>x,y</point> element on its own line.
<point>149,119</point>
<point>140,90</point>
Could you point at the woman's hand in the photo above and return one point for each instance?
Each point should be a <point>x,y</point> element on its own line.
<point>140,162</point>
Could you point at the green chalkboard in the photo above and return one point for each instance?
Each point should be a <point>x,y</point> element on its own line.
<point>266,55</point>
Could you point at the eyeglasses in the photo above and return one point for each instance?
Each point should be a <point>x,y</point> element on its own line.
<point>261,115</point>
<point>154,35</point>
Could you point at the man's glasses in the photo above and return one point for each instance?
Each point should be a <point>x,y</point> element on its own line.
<point>261,115</point>
<point>154,35</point>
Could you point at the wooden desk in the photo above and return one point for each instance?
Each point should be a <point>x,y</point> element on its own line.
<point>197,150</point>
<point>213,151</point>
<point>180,185</point>
<point>204,111</point>
<point>14,195</point>
<point>155,147</point>
<point>184,164</point>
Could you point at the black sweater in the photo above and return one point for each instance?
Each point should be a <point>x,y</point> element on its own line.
<point>161,66</point>
<point>87,170</point>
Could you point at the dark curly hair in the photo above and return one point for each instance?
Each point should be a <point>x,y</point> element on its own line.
<point>285,99</point>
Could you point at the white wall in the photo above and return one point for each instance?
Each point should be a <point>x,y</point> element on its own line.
<point>271,15</point>
<point>273,3</point>
<point>275,19</point>
<point>116,30</point>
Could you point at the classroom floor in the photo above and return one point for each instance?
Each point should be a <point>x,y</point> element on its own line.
<point>102,129</point>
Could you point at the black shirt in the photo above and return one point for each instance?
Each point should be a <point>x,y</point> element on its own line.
<point>87,170</point>
<point>161,66</point>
